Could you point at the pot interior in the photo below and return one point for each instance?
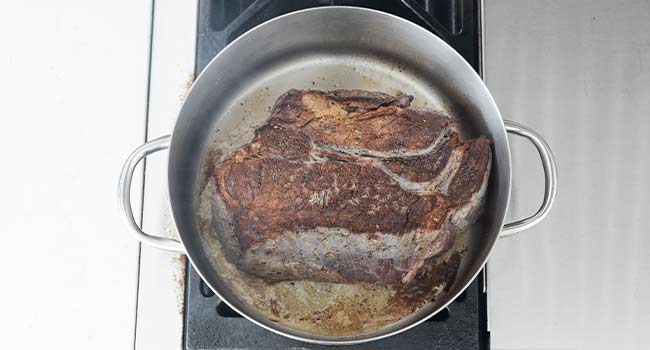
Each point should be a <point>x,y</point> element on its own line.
<point>327,49</point>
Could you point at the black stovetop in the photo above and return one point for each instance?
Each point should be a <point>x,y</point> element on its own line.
<point>211,324</point>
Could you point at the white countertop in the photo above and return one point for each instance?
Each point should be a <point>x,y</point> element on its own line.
<point>75,102</point>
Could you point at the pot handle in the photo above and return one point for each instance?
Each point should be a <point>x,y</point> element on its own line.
<point>550,179</point>
<point>124,195</point>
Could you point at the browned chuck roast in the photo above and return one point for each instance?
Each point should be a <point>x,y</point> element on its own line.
<point>349,186</point>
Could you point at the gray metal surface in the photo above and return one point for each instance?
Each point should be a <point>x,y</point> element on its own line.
<point>579,73</point>
<point>339,47</point>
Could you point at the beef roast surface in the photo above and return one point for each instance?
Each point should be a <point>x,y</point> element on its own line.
<point>349,186</point>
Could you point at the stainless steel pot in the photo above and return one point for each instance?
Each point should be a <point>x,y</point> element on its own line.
<point>325,48</point>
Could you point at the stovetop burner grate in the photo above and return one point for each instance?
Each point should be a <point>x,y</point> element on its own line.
<point>210,323</point>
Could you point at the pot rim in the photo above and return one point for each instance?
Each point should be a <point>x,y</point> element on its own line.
<point>360,339</point>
